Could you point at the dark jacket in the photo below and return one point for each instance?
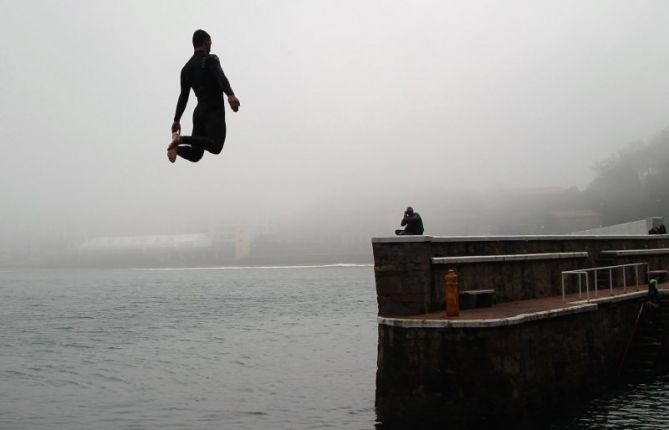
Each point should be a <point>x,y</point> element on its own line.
<point>414,223</point>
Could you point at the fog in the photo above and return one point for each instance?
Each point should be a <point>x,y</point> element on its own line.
<point>350,111</point>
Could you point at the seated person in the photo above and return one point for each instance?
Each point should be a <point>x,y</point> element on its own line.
<point>413,223</point>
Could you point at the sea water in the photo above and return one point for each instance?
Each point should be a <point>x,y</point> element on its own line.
<point>639,405</point>
<point>247,348</point>
<point>233,348</point>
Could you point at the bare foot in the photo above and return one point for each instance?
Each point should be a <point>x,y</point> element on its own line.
<point>172,149</point>
<point>172,154</point>
<point>176,140</point>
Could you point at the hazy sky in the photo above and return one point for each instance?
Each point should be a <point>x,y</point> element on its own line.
<point>336,97</point>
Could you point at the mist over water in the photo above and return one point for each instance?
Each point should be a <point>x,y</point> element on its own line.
<point>350,111</point>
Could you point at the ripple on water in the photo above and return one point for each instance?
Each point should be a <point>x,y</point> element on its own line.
<point>634,406</point>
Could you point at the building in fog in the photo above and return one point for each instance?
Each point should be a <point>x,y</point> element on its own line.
<point>200,249</point>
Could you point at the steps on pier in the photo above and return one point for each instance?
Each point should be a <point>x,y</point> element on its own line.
<point>645,355</point>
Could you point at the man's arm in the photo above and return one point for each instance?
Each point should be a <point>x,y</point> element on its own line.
<point>215,66</point>
<point>410,218</point>
<point>181,103</point>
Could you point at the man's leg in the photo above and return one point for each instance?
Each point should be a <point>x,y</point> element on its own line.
<point>208,135</point>
<point>188,152</point>
<point>216,130</point>
<point>209,131</point>
<point>184,148</point>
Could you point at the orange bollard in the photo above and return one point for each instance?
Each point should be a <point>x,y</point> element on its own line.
<point>452,300</point>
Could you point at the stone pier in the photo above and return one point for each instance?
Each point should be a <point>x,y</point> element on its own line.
<point>529,354</point>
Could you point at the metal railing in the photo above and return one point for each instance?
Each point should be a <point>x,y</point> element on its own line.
<point>583,273</point>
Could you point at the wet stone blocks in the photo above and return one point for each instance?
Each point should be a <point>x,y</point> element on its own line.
<point>480,377</point>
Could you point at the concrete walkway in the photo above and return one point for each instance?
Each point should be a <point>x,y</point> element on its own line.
<point>512,313</point>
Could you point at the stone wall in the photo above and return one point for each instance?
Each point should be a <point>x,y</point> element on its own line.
<point>498,377</point>
<point>407,283</point>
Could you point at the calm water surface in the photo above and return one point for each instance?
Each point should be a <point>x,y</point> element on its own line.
<point>197,349</point>
<point>279,348</point>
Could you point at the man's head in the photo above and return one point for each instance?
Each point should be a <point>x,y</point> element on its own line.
<point>409,211</point>
<point>201,40</point>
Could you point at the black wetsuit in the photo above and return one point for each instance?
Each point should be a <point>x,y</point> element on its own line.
<point>203,73</point>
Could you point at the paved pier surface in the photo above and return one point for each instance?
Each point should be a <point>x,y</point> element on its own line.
<point>517,312</point>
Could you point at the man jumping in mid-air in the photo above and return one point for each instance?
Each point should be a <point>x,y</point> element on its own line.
<point>204,75</point>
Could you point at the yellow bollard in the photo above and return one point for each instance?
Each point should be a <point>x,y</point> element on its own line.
<point>452,300</point>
